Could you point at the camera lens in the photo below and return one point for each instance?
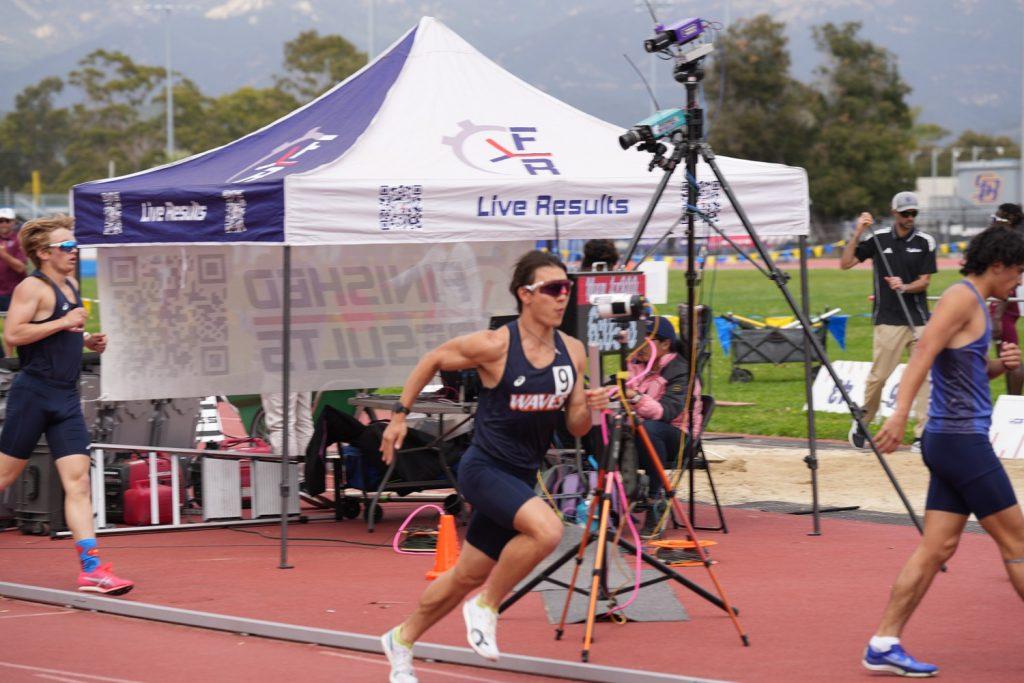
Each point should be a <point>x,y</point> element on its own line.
<point>629,138</point>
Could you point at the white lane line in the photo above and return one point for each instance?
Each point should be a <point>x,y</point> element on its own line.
<point>419,669</point>
<point>39,669</point>
<point>37,614</point>
<point>59,678</point>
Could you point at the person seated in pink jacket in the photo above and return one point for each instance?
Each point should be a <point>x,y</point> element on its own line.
<point>658,396</point>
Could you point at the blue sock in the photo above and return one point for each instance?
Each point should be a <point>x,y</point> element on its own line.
<point>88,554</point>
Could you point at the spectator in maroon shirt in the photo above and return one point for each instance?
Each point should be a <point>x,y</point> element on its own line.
<point>1005,314</point>
<point>12,261</point>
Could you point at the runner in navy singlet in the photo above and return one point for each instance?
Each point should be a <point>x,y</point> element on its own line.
<point>46,322</point>
<point>532,379</point>
<point>966,476</point>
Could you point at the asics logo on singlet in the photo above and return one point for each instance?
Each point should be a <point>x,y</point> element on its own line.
<point>533,403</point>
<point>519,381</point>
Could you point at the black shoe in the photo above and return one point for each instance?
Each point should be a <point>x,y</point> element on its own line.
<point>856,436</point>
<point>650,529</point>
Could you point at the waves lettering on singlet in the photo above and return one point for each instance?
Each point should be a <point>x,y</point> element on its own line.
<point>532,403</point>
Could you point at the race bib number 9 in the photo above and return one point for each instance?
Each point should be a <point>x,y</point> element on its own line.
<point>563,379</point>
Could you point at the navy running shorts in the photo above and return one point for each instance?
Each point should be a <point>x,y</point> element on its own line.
<point>35,408</point>
<point>966,475</point>
<point>496,490</point>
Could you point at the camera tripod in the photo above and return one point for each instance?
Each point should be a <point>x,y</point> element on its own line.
<point>609,482</point>
<point>689,144</point>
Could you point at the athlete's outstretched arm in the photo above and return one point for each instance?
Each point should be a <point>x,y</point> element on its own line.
<point>953,311</point>
<point>476,350</point>
<point>581,401</point>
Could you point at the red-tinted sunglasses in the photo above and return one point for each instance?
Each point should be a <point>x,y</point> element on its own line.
<point>553,288</point>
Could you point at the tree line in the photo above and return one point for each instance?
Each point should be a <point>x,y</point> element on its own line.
<point>118,113</point>
<point>851,128</point>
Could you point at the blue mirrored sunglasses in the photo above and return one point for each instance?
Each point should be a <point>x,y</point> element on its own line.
<point>67,246</point>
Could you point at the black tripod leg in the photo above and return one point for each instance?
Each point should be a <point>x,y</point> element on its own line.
<point>819,352</point>
<point>670,573</point>
<point>543,576</point>
<point>812,434</point>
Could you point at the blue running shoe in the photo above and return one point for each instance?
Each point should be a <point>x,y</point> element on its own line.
<point>897,661</point>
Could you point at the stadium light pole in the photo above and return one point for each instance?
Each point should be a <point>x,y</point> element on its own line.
<point>370,30</point>
<point>168,82</point>
<point>166,9</point>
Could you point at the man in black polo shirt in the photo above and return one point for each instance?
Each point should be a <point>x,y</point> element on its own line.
<point>910,255</point>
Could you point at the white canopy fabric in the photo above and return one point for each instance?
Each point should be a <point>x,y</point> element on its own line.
<point>470,152</point>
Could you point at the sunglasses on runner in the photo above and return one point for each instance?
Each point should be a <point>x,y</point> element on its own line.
<point>912,213</point>
<point>67,246</point>
<point>553,288</point>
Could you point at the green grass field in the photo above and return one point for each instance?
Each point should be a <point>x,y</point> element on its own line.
<point>777,392</point>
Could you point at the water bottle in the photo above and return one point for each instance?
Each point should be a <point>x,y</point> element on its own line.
<point>581,513</point>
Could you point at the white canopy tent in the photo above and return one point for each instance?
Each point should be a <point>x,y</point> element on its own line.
<point>402,197</point>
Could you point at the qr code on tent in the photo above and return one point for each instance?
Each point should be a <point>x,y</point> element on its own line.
<point>400,207</point>
<point>171,312</point>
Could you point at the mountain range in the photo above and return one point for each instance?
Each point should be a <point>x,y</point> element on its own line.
<point>962,58</point>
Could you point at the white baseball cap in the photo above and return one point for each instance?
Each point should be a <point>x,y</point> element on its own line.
<point>7,212</point>
<point>904,201</point>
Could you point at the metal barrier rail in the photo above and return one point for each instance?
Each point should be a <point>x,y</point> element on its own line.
<point>97,453</point>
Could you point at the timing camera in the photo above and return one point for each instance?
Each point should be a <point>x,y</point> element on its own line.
<point>657,125</point>
<point>678,33</point>
<point>620,306</point>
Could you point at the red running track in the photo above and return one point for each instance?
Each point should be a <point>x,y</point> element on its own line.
<point>808,603</point>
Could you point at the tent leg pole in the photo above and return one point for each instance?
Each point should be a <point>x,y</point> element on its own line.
<point>286,362</point>
<point>812,437</point>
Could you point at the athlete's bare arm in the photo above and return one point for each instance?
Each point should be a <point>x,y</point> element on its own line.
<point>29,302</point>
<point>485,350</point>
<point>581,401</point>
<point>947,327</point>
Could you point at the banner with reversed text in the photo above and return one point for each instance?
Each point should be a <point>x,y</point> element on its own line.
<point>201,320</point>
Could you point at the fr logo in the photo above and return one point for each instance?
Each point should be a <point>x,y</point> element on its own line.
<point>283,157</point>
<point>502,150</point>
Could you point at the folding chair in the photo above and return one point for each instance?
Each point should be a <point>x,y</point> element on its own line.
<point>694,459</point>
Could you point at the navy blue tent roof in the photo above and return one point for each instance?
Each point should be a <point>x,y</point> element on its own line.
<point>235,193</point>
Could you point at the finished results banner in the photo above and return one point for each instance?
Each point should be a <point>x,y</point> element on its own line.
<point>207,319</point>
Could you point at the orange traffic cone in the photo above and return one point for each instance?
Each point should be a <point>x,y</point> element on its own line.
<point>447,553</point>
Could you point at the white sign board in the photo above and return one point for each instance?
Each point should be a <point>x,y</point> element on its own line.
<point>1007,431</point>
<point>854,375</point>
<point>199,320</point>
